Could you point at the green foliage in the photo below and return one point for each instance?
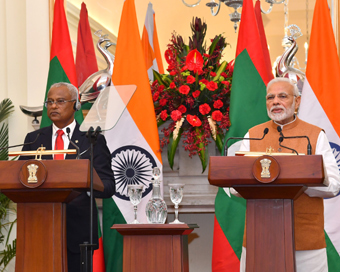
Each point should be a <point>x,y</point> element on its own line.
<point>7,255</point>
<point>6,226</point>
<point>6,108</point>
<point>172,147</point>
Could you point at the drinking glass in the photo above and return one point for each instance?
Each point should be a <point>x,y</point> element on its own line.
<point>176,195</point>
<point>135,194</point>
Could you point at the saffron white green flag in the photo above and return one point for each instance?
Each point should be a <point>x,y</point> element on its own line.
<point>320,106</point>
<point>133,142</point>
<point>152,53</point>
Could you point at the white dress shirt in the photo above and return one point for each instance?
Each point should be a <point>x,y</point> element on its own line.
<point>64,136</point>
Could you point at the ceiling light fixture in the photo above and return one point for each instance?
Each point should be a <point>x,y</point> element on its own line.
<point>235,17</point>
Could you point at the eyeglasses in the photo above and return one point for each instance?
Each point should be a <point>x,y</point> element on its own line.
<point>59,102</point>
<point>280,96</point>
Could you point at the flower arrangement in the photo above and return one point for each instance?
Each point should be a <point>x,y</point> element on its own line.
<point>195,94</point>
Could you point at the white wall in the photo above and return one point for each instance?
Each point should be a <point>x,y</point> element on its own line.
<point>24,59</point>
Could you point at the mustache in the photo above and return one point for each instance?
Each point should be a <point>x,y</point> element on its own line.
<point>277,108</point>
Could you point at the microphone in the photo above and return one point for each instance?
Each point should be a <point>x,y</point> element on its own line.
<point>8,147</point>
<point>309,147</point>
<point>265,132</point>
<point>97,131</point>
<point>279,129</point>
<point>68,130</point>
<point>280,141</point>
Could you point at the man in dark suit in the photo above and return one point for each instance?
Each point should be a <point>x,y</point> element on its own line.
<point>62,103</point>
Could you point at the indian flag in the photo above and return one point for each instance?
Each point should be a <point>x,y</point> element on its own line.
<point>247,109</point>
<point>133,142</point>
<point>62,68</point>
<point>152,53</point>
<point>320,106</point>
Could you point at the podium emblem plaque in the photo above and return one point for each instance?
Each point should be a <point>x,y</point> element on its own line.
<point>32,173</point>
<point>266,169</point>
<point>265,163</point>
<point>32,170</point>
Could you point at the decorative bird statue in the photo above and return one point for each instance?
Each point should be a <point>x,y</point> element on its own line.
<point>285,63</point>
<point>98,81</point>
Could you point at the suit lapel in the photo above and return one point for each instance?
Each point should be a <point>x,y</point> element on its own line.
<point>46,141</point>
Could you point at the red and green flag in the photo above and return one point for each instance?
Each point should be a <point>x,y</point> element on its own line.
<point>247,109</point>
<point>62,68</point>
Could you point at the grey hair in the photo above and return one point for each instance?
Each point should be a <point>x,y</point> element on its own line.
<point>287,80</point>
<point>73,90</point>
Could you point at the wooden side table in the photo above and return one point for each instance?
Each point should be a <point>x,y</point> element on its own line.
<point>155,247</point>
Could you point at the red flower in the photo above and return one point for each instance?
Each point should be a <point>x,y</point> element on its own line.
<point>230,66</point>
<point>172,73</point>
<point>204,109</point>
<point>182,109</point>
<point>224,75</point>
<point>226,83</point>
<point>155,96</point>
<point>163,102</point>
<point>213,74</point>
<point>204,81</point>
<point>184,89</point>
<point>217,115</point>
<point>211,86</point>
<point>161,88</point>
<point>168,56</point>
<point>164,115</point>
<point>190,79</point>
<point>206,55</point>
<point>194,120</point>
<point>184,68</point>
<point>176,115</point>
<point>170,67</point>
<point>196,94</point>
<point>172,85</point>
<point>194,61</point>
<point>218,104</point>
<point>190,102</point>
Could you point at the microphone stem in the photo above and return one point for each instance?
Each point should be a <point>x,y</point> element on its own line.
<point>289,148</point>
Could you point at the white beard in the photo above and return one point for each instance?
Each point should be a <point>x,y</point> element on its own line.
<point>285,114</point>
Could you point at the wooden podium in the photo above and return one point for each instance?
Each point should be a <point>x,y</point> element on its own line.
<point>155,247</point>
<point>270,216</point>
<point>42,193</point>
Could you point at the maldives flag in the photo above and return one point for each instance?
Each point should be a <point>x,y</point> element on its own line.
<point>62,68</point>
<point>247,109</point>
<point>152,53</point>
<point>133,142</point>
<point>320,106</point>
